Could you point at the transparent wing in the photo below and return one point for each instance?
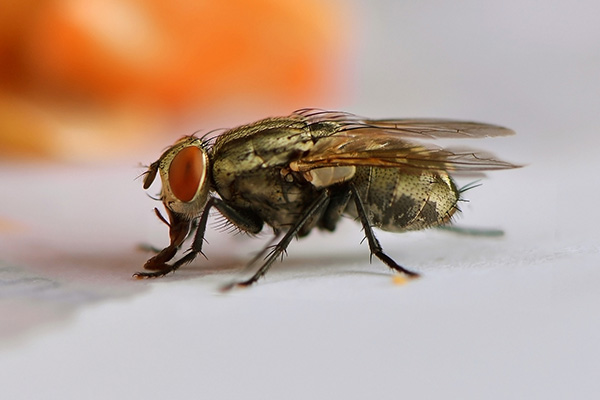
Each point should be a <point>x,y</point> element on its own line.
<point>386,143</point>
<point>409,128</point>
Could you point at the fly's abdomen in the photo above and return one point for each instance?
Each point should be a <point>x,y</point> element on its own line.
<point>397,200</point>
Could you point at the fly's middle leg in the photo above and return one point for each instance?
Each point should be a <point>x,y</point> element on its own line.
<point>280,248</point>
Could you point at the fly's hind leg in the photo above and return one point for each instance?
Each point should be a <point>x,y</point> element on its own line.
<point>374,245</point>
<point>280,248</point>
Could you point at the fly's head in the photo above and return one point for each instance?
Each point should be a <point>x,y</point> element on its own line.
<point>184,172</point>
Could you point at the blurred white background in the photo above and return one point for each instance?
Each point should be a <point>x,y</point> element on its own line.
<point>495,318</point>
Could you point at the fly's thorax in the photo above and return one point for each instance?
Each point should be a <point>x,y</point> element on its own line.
<point>267,144</point>
<point>277,200</point>
<point>397,200</point>
<point>184,171</point>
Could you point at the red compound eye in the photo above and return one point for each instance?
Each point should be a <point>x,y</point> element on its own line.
<point>186,172</point>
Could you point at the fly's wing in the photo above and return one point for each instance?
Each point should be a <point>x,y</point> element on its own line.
<point>390,143</point>
<point>408,128</point>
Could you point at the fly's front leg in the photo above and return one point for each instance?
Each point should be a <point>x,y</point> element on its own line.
<point>282,245</point>
<point>374,245</point>
<point>244,220</point>
<point>179,228</point>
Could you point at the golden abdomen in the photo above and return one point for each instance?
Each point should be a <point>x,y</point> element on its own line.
<point>396,200</point>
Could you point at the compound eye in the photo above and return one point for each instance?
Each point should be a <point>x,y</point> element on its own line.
<point>186,173</point>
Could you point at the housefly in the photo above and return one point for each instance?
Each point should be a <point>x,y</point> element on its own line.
<point>305,171</point>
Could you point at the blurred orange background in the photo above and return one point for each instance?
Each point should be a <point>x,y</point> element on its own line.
<point>83,80</point>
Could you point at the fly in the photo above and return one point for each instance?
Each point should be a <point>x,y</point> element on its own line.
<point>305,171</point>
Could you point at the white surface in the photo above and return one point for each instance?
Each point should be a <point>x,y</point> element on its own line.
<point>515,317</point>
